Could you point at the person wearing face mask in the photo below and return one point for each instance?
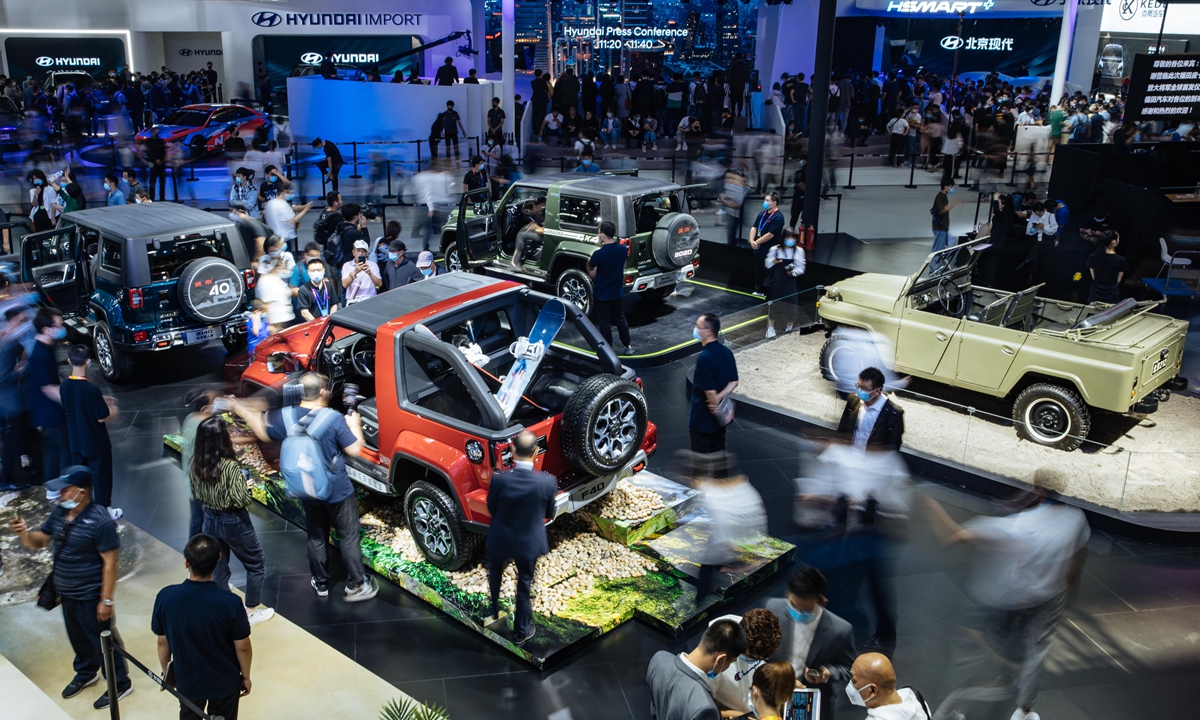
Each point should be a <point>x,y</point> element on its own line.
<point>42,201</point>
<point>276,256</point>
<point>426,266</point>
<point>870,419</point>
<point>42,393</point>
<point>85,575</point>
<point>785,265</point>
<point>732,688</point>
<point>283,217</point>
<point>940,211</point>
<point>610,130</point>
<point>587,163</point>
<point>316,297</point>
<point>476,177</point>
<point>765,234</point>
<point>873,686</point>
<point>714,379</point>
<point>679,685</point>
<point>360,276</point>
<point>244,194</point>
<point>495,123</point>
<point>399,270</point>
<point>818,643</point>
<point>115,196</point>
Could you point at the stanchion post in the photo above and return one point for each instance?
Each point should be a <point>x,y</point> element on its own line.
<point>354,151</point>
<point>1012,181</point>
<point>912,171</point>
<point>110,673</point>
<point>966,175</point>
<point>390,194</point>
<point>837,218</point>
<point>419,155</point>
<point>849,180</point>
<point>978,202</point>
<point>192,172</point>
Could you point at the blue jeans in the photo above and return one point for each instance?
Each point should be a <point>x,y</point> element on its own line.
<point>800,117</point>
<point>610,138</point>
<point>649,138</point>
<point>941,240</point>
<point>236,535</point>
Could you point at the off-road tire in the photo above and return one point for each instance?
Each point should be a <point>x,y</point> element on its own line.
<point>453,258</point>
<point>432,516</point>
<point>200,278</point>
<point>603,424</point>
<point>575,286</point>
<point>828,351</point>
<point>115,364</point>
<point>675,240</point>
<point>198,148</point>
<point>1052,415</point>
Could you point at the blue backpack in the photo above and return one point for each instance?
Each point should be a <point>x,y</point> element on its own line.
<point>304,468</point>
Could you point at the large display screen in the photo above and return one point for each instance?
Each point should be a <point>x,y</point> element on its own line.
<point>1164,87</point>
<point>39,56</point>
<point>279,55</point>
<point>1018,46</point>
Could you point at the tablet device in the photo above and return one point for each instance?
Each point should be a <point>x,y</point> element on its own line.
<point>805,705</point>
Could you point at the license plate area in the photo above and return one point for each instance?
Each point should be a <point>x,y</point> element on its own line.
<point>199,335</point>
<point>592,490</point>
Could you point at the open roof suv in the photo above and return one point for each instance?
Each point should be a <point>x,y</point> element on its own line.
<point>425,360</point>
<point>142,278</point>
<point>651,217</point>
<point>1056,361</point>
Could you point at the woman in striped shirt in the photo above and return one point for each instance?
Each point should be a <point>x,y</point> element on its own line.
<point>218,482</point>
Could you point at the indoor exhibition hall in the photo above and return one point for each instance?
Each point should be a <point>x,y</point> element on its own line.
<point>599,359</point>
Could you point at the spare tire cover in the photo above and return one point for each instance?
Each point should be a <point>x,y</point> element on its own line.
<point>211,289</point>
<point>676,240</point>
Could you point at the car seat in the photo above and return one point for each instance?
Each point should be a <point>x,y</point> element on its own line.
<point>370,423</point>
<point>1019,312</point>
<point>994,313</point>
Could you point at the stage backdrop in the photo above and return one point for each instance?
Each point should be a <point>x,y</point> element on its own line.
<point>278,54</point>
<point>1015,46</point>
<point>38,56</point>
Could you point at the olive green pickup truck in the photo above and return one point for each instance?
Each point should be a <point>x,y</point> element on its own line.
<point>1056,361</point>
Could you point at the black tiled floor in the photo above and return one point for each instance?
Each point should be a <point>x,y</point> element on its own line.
<point>1124,649</point>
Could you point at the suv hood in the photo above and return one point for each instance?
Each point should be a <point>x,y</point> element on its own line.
<point>872,290</point>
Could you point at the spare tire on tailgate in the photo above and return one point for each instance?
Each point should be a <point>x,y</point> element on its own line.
<point>603,424</point>
<point>676,240</point>
<point>211,289</point>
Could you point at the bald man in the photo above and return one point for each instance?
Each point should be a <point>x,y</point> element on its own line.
<point>873,686</point>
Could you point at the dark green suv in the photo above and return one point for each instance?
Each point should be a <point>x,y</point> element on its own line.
<point>140,278</point>
<point>651,217</point>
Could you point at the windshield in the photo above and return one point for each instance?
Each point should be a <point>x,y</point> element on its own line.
<point>950,261</point>
<point>187,118</point>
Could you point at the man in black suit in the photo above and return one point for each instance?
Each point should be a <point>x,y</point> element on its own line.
<point>871,419</point>
<point>520,502</point>
<point>818,644</point>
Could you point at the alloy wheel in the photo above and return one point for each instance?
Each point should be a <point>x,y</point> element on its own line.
<point>432,526</point>
<point>616,428</point>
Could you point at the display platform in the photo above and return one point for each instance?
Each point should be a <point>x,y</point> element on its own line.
<point>587,586</point>
<point>1136,475</point>
<point>661,332</point>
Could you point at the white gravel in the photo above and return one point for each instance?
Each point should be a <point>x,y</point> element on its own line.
<point>1153,454</point>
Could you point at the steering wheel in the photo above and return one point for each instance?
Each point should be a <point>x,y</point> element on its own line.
<point>950,295</point>
<point>362,356</point>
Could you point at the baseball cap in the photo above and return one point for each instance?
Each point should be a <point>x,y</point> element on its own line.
<point>425,259</point>
<point>74,476</point>
<point>361,244</point>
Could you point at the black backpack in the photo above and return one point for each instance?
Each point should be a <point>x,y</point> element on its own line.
<point>322,229</point>
<point>700,94</point>
<point>334,252</point>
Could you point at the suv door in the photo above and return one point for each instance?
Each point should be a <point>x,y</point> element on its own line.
<point>50,261</point>
<point>478,232</point>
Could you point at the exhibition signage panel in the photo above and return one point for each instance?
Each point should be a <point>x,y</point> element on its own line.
<point>38,56</point>
<point>1164,87</point>
<point>1146,17</point>
<point>1009,46</point>
<point>971,9</point>
<point>279,54</point>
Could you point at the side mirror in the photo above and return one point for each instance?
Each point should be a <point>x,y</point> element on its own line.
<point>279,363</point>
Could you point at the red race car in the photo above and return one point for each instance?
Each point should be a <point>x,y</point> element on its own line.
<point>203,129</point>
<point>427,360</point>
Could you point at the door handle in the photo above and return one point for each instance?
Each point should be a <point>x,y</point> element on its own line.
<point>1006,350</point>
<point>941,336</point>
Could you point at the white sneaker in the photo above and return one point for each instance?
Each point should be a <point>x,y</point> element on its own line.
<point>788,329</point>
<point>770,333</point>
<point>115,513</point>
<point>364,591</point>
<point>259,615</point>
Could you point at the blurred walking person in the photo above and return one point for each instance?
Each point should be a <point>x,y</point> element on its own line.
<point>1027,563</point>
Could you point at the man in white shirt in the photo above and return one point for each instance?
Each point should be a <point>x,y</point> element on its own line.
<point>818,643</point>
<point>873,686</point>
<point>360,276</point>
<point>1027,563</point>
<point>1041,223</point>
<point>870,418</point>
<point>283,217</point>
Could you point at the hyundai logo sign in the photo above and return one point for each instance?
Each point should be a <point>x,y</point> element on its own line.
<point>188,52</point>
<point>952,42</point>
<point>266,19</point>
<point>44,61</point>
<point>312,58</point>
<point>185,52</point>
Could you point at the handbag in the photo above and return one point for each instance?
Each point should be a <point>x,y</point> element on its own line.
<point>724,411</point>
<point>48,597</point>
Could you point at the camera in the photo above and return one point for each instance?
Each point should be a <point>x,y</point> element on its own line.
<point>350,397</point>
<point>369,212</point>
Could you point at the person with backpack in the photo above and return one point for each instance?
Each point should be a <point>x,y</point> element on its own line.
<point>326,222</point>
<point>314,438</point>
<point>217,481</point>
<point>339,246</point>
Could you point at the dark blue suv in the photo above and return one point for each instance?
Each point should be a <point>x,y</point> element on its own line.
<point>143,278</point>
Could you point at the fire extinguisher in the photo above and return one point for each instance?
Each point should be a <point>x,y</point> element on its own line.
<point>809,239</point>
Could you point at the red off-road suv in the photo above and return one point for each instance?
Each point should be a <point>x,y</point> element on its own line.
<point>428,359</point>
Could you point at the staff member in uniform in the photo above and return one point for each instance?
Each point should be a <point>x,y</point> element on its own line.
<point>714,379</point>
<point>607,269</point>
<point>520,502</point>
<point>85,575</point>
<point>767,231</point>
<point>332,164</point>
